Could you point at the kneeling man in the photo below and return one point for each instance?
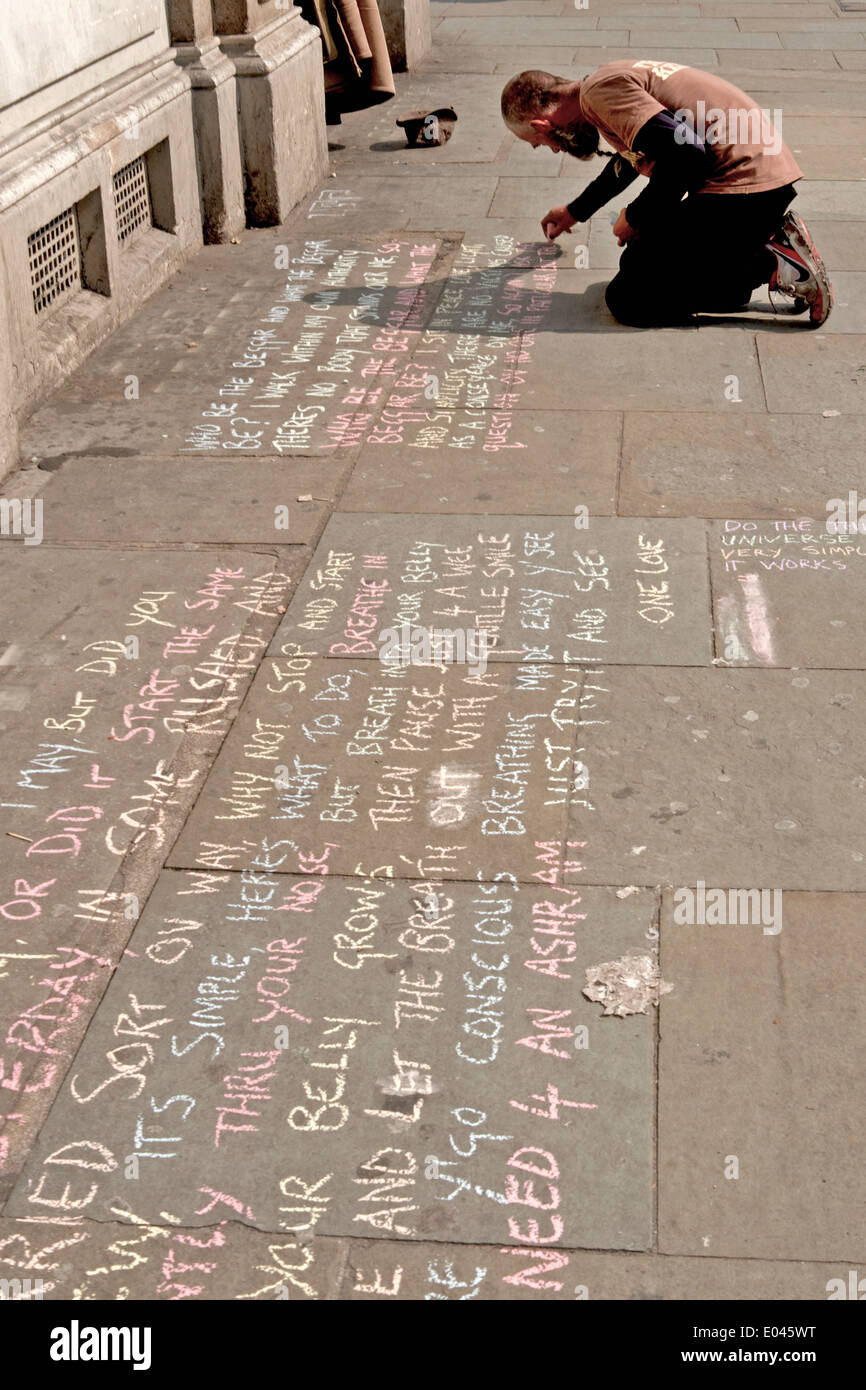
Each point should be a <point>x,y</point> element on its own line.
<point>713,222</point>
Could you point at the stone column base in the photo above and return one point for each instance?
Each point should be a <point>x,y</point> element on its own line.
<point>214,109</point>
<point>281,107</point>
<point>407,29</point>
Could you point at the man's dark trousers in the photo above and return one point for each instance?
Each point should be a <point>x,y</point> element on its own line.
<point>708,257</point>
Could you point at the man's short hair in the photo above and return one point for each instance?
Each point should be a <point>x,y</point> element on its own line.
<point>530,94</point>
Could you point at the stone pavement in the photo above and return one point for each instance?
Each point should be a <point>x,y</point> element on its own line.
<point>296,937</point>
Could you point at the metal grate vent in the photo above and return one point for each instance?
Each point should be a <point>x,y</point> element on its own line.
<point>55,260</point>
<point>132,199</point>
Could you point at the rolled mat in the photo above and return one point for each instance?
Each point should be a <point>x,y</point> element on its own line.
<point>364,29</point>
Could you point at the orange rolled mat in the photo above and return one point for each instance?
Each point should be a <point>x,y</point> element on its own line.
<point>363,26</point>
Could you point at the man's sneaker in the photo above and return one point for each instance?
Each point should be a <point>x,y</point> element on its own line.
<point>800,272</point>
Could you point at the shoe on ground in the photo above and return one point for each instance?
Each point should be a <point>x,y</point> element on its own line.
<point>800,272</point>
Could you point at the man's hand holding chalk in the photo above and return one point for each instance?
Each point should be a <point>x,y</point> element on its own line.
<point>555,222</point>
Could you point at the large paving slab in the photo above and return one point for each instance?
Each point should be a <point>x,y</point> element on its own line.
<point>123,1257</point>
<point>763,57</point>
<point>127,1259</point>
<point>476,348</point>
<point>294,369</point>
<point>567,30</point>
<point>656,369</point>
<point>648,29</point>
<point>533,463</point>
<point>524,160</point>
<point>655,40</point>
<point>812,371</point>
<point>115,695</point>
<point>801,94</point>
<point>167,426</point>
<point>833,199</point>
<point>508,59</point>
<point>789,593</point>
<point>493,9</point>
<point>544,589</point>
<point>832,161</point>
<point>729,776</point>
<point>455,58</point>
<point>134,500</point>
<point>732,465</point>
<point>525,195</point>
<point>631,11</point>
<point>824,38</point>
<point>842,244</point>
<point>775,9</point>
<point>849,312</point>
<point>817,130</point>
<point>364,357</point>
<point>761,1059</point>
<point>587,59</point>
<point>452,767</point>
<point>488,1273</point>
<point>811,21</point>
<point>435,1085</point>
<point>368,204</point>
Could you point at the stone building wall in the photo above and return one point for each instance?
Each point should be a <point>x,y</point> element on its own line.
<point>131,131</point>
